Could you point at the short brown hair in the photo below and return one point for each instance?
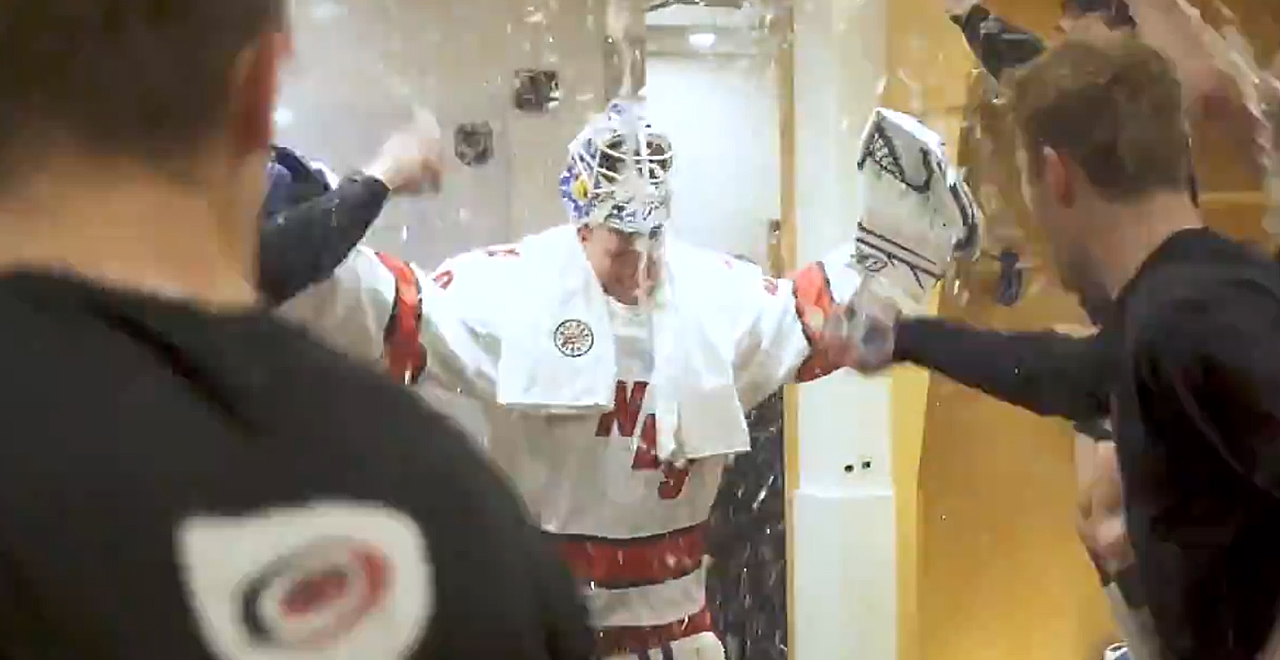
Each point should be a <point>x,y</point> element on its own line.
<point>147,79</point>
<point>1112,106</point>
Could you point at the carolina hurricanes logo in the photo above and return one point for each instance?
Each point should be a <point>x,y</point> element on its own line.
<point>574,338</point>
<point>315,595</point>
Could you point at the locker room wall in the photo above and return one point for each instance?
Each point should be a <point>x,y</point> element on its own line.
<point>1002,573</point>
<point>361,68</point>
<point>931,70</point>
<point>721,113</point>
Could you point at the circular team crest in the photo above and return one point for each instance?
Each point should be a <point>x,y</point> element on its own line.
<point>574,338</point>
<point>315,596</point>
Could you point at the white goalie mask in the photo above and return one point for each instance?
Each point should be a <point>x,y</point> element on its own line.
<point>919,214</point>
<point>617,173</point>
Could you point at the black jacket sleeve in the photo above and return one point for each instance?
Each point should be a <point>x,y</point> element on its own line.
<point>304,244</point>
<point>997,44</point>
<point>1047,373</point>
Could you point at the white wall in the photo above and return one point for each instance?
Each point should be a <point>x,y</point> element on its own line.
<point>363,65</point>
<point>721,113</point>
<point>843,518</point>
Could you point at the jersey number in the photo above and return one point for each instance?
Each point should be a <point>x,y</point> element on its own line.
<point>628,402</point>
<point>646,458</point>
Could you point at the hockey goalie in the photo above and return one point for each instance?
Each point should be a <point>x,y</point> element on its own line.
<point>616,363</point>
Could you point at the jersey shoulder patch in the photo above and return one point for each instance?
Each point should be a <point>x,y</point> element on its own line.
<point>322,581</point>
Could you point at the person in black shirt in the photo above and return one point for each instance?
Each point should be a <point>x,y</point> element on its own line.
<point>1197,391</point>
<point>1045,372</point>
<point>183,475</point>
<point>1042,371</point>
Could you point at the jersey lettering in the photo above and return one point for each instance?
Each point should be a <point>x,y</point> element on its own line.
<point>771,286</point>
<point>502,251</point>
<point>646,458</point>
<point>625,416</point>
<point>443,279</point>
<point>627,405</point>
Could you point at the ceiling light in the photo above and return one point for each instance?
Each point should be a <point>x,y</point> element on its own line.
<point>702,39</point>
<point>282,117</point>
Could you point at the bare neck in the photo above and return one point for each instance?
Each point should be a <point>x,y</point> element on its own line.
<point>1129,233</point>
<point>131,230</point>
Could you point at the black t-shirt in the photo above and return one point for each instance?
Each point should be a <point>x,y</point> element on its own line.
<point>1197,415</point>
<point>1046,372</point>
<point>175,484</point>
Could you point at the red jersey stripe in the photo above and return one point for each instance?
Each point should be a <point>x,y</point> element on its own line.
<point>406,357</point>
<point>638,639</point>
<point>813,300</point>
<point>607,563</point>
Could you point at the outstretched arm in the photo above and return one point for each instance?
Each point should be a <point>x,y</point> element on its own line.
<point>783,339</point>
<point>1220,81</point>
<point>1203,60</point>
<point>1047,373</point>
<point>305,244</point>
<point>387,312</point>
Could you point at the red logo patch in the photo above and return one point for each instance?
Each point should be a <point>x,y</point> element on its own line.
<point>314,596</point>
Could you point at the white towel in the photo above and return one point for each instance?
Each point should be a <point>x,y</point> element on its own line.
<point>694,361</point>
<point>559,356</point>
<point>557,349</point>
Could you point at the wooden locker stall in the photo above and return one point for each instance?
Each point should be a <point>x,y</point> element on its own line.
<point>1001,571</point>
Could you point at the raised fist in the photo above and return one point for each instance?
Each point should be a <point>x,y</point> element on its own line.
<point>410,162</point>
<point>958,7</point>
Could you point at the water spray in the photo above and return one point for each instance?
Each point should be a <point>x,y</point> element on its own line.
<point>1259,93</point>
<point>625,29</point>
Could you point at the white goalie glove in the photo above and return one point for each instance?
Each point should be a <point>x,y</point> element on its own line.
<point>919,217</point>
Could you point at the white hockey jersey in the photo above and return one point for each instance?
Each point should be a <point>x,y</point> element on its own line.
<point>630,526</point>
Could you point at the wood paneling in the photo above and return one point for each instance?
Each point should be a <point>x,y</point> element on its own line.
<point>1002,574</point>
